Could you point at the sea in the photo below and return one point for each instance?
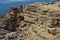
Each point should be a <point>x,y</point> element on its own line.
<point>4,7</point>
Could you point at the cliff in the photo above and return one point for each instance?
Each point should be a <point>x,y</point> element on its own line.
<point>42,22</point>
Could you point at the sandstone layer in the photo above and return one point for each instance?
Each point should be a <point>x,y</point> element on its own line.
<point>42,23</point>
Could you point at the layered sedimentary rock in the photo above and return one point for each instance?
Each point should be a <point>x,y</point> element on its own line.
<point>39,21</point>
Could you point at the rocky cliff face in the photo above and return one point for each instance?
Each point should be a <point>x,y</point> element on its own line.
<point>42,23</point>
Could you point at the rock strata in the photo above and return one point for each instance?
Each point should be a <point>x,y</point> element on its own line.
<point>39,21</point>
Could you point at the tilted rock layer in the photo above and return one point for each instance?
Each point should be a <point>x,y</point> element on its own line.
<point>42,23</point>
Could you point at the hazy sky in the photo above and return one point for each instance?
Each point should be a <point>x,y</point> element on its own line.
<point>9,1</point>
<point>14,0</point>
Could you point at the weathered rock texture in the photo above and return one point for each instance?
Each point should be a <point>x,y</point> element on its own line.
<point>42,23</point>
